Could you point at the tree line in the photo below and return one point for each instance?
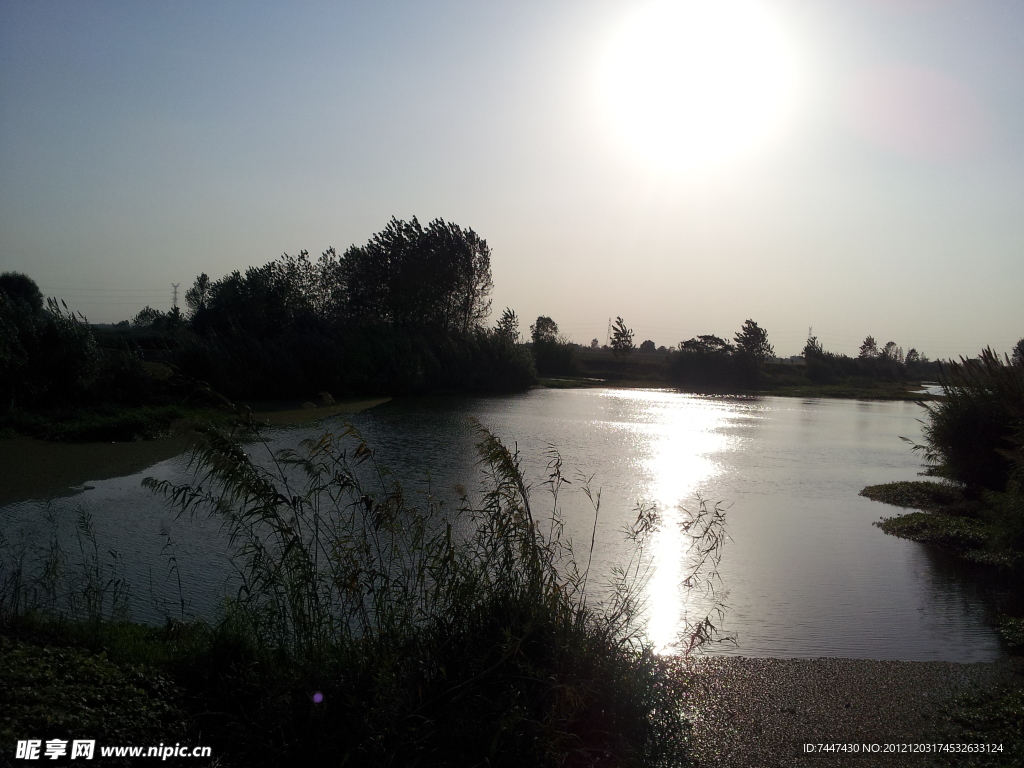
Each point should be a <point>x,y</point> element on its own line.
<point>747,361</point>
<point>405,312</point>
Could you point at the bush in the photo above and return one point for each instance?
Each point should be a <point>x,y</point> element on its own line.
<point>969,433</point>
<point>555,358</point>
<point>46,356</point>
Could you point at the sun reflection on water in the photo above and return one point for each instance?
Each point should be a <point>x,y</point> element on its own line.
<point>678,437</point>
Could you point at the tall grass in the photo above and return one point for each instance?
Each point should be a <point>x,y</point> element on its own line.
<point>971,433</point>
<point>437,636</point>
<point>82,583</point>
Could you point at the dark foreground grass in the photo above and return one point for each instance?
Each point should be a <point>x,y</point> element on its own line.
<point>431,637</point>
<point>994,716</point>
<point>103,423</point>
<point>61,691</point>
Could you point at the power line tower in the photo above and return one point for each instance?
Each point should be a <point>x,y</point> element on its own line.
<point>174,301</point>
<point>608,333</point>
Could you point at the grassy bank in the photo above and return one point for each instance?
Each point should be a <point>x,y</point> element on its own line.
<point>370,629</point>
<point>949,517</point>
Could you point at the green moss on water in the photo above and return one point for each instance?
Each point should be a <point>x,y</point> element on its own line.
<point>949,518</point>
<point>937,528</point>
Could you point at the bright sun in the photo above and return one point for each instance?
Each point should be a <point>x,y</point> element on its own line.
<point>692,83</point>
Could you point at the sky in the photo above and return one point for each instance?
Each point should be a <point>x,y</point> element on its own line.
<point>865,174</point>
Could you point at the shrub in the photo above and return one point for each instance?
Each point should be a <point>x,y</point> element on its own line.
<point>969,432</point>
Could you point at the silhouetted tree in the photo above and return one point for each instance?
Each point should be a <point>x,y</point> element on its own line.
<point>647,346</point>
<point>1018,353</point>
<point>198,295</point>
<point>544,330</point>
<point>752,341</point>
<point>22,288</point>
<point>622,338</point>
<point>869,349</point>
<point>912,357</point>
<point>438,276</point>
<point>707,345</point>
<point>508,327</point>
<point>147,317</point>
<point>891,352</point>
<point>813,348</point>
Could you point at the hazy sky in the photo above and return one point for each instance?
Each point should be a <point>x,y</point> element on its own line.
<point>142,143</point>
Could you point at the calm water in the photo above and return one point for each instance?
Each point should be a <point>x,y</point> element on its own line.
<point>804,574</point>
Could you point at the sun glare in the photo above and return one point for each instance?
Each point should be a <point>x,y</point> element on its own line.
<point>693,83</point>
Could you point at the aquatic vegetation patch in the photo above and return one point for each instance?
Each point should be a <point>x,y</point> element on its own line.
<point>922,494</point>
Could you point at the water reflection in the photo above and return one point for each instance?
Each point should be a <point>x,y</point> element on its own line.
<point>676,437</point>
<point>807,574</point>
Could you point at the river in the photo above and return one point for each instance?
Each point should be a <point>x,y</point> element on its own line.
<point>804,573</point>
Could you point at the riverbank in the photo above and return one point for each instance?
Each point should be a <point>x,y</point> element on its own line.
<point>760,712</point>
<point>909,391</point>
<point>32,468</point>
<point>152,685</point>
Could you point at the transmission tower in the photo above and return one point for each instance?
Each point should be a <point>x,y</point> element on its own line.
<point>174,301</point>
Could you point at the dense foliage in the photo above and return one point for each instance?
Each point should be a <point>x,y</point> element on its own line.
<point>974,440</point>
<point>49,356</point>
<point>888,364</point>
<point>974,434</point>
<point>403,313</point>
<point>553,353</point>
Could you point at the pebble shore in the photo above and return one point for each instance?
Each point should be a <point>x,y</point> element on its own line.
<point>757,713</point>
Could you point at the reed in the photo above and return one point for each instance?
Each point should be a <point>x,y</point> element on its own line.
<point>461,637</point>
<point>969,433</point>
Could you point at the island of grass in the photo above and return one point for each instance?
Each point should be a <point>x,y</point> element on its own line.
<point>947,517</point>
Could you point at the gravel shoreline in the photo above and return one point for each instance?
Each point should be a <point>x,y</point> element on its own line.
<point>757,713</point>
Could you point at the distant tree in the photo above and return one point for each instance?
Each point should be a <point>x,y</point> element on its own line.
<point>508,327</point>
<point>622,338</point>
<point>752,341</point>
<point>20,287</point>
<point>409,275</point>
<point>545,330</point>
<point>869,349</point>
<point>648,346</point>
<point>707,345</point>
<point>813,348</point>
<point>595,344</point>
<point>148,318</point>
<point>891,352</point>
<point>198,295</point>
<point>912,357</point>
<point>1018,353</point>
